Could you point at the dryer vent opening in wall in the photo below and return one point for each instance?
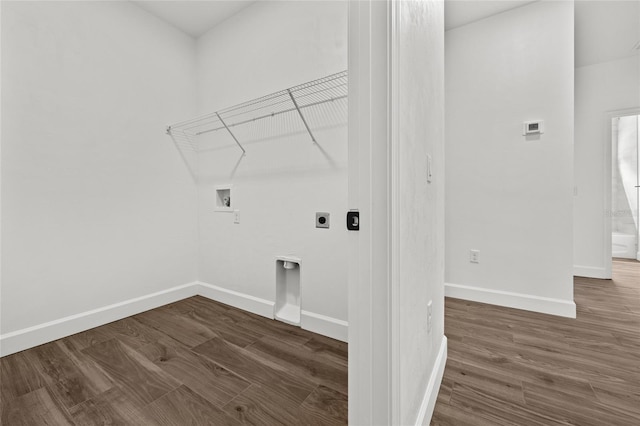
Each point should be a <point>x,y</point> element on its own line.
<point>287,308</point>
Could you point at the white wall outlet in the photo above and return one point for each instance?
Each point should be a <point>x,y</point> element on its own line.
<point>474,256</point>
<point>429,315</point>
<point>429,169</point>
<point>322,220</point>
<point>236,216</point>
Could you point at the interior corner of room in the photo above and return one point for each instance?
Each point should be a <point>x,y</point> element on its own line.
<point>155,163</point>
<point>117,195</point>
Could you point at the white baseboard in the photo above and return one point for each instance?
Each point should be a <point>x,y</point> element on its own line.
<point>527,302</point>
<point>327,326</point>
<point>236,299</point>
<point>433,387</point>
<point>30,337</point>
<point>316,323</point>
<point>591,272</point>
<point>26,338</point>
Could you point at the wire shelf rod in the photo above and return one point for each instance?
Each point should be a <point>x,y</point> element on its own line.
<point>231,133</point>
<point>327,89</point>
<point>283,93</point>
<point>239,123</point>
<point>302,117</point>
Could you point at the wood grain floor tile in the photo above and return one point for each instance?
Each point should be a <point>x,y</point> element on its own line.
<point>216,318</point>
<point>69,382</point>
<point>498,411</point>
<point>94,376</point>
<point>33,409</point>
<point>138,377</point>
<point>183,406</point>
<point>256,369</point>
<point>86,339</point>
<point>574,409</point>
<point>326,405</point>
<point>18,377</point>
<point>259,406</point>
<point>301,361</point>
<point>252,323</point>
<point>330,349</point>
<point>131,332</point>
<point>581,371</point>
<point>625,395</point>
<point>178,327</point>
<point>493,383</point>
<point>180,364</point>
<point>447,415</point>
<point>208,379</point>
<point>112,407</point>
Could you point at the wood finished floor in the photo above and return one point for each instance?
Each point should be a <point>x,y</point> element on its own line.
<point>512,367</point>
<point>203,363</point>
<point>193,362</point>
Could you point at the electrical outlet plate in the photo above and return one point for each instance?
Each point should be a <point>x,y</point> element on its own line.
<point>429,315</point>
<point>474,256</point>
<point>236,216</point>
<point>322,220</point>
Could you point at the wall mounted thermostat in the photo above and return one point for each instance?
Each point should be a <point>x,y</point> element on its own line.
<point>533,127</point>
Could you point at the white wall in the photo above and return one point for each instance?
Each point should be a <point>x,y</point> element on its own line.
<point>396,118</point>
<point>420,211</point>
<point>97,206</point>
<point>284,178</point>
<point>507,195</point>
<point>600,88</point>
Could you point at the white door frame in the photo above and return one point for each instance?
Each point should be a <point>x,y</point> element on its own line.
<point>370,189</point>
<point>610,115</point>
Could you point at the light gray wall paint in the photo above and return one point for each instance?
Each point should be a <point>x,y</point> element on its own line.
<point>284,178</point>
<point>97,207</point>
<point>507,195</point>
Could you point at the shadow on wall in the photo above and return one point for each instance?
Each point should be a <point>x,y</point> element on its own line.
<point>276,140</point>
<point>309,112</point>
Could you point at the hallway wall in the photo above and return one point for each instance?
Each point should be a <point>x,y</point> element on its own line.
<point>508,195</point>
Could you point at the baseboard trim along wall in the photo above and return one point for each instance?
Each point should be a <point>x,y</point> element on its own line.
<point>527,302</point>
<point>30,337</point>
<point>327,326</point>
<point>316,323</point>
<point>236,299</point>
<point>591,272</point>
<point>433,387</point>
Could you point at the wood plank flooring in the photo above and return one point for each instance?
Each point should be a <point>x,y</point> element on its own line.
<point>203,363</point>
<point>193,362</point>
<point>512,367</point>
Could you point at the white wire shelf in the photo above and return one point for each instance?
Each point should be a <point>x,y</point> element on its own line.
<point>331,88</point>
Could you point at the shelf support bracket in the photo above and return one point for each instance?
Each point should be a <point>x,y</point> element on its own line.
<point>301,116</point>
<point>231,133</point>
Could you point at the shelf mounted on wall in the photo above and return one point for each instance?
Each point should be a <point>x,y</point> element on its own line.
<point>327,89</point>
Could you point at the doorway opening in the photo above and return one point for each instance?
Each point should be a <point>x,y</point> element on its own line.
<point>625,186</point>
